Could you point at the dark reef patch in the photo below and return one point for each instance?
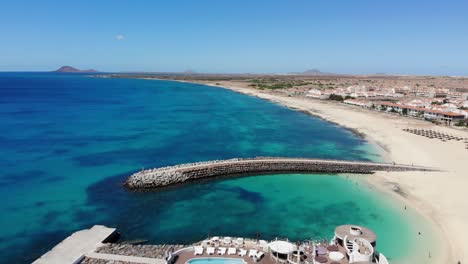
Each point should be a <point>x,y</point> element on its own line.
<point>22,177</point>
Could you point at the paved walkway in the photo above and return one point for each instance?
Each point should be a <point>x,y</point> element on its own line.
<point>74,247</point>
<point>112,257</point>
<point>203,164</point>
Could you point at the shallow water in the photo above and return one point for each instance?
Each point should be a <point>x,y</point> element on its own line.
<point>297,206</point>
<point>69,141</point>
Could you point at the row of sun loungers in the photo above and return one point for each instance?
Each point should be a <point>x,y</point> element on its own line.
<point>228,241</point>
<point>256,255</point>
<point>432,134</point>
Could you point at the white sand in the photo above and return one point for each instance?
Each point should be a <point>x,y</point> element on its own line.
<point>440,196</point>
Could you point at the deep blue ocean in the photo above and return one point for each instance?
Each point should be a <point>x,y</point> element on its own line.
<point>68,141</point>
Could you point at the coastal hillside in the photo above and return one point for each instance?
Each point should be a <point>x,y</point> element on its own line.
<point>71,69</point>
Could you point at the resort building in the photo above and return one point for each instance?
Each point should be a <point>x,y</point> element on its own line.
<point>350,244</point>
<point>439,93</point>
<point>361,103</point>
<point>402,90</point>
<point>421,109</point>
<point>443,116</point>
<point>362,94</point>
<point>318,94</point>
<point>454,95</point>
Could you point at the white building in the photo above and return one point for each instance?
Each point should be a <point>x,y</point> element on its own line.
<point>318,94</point>
<point>365,104</point>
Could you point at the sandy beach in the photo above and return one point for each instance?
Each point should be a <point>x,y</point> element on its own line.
<point>439,196</point>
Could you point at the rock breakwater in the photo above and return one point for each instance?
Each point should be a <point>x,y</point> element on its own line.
<point>166,176</point>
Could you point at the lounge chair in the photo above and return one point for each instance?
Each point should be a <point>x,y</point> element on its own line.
<point>252,253</point>
<point>221,250</point>
<point>227,240</point>
<point>210,250</point>
<point>205,243</point>
<point>198,250</point>
<point>242,252</point>
<point>239,241</point>
<point>232,251</point>
<point>263,244</point>
<point>259,256</point>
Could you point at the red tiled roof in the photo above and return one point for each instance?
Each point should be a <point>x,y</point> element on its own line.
<point>445,113</point>
<point>422,109</point>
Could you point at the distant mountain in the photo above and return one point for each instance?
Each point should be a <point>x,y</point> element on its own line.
<point>312,72</point>
<point>71,69</point>
<point>189,72</point>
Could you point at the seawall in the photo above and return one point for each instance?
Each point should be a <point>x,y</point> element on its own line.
<point>166,176</point>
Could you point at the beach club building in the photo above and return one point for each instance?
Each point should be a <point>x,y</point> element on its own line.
<point>435,113</point>
<point>444,116</point>
<point>350,244</point>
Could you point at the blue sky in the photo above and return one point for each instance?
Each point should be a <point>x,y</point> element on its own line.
<point>349,36</point>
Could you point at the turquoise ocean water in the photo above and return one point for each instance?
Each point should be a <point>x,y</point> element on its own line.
<point>69,141</point>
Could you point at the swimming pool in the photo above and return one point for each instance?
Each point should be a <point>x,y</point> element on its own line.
<point>215,260</point>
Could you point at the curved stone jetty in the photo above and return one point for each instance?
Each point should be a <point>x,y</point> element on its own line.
<point>166,176</point>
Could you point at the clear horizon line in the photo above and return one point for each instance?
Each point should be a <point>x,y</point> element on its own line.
<point>246,73</point>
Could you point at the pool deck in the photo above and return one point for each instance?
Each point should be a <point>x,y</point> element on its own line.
<point>184,257</point>
<point>94,246</point>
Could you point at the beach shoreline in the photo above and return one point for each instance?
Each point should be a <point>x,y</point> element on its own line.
<point>445,212</point>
